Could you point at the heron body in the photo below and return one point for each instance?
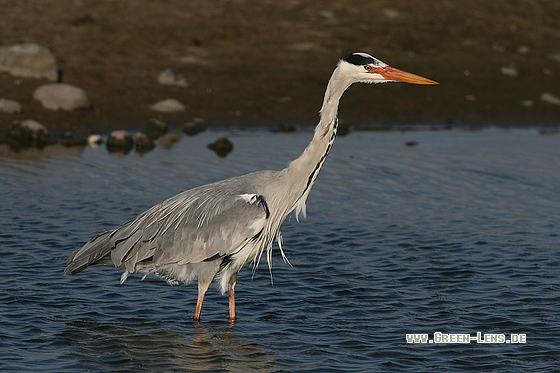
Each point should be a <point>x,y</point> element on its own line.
<point>212,231</point>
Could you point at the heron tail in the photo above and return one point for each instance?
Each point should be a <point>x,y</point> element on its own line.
<point>91,253</point>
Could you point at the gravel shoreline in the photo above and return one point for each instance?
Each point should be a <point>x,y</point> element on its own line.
<point>265,63</point>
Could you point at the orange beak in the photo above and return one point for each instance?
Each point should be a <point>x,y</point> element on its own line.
<point>396,75</point>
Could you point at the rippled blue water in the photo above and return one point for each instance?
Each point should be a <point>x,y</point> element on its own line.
<point>458,234</point>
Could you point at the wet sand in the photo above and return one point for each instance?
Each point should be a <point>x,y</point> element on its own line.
<point>267,62</point>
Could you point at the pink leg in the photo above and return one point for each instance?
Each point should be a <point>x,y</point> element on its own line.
<point>198,307</point>
<point>202,288</point>
<point>231,296</point>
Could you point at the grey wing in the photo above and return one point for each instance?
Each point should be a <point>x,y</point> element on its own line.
<point>200,224</point>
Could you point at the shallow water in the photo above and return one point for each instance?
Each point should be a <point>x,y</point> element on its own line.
<point>458,234</point>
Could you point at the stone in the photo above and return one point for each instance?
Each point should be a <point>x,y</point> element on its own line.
<point>192,128</point>
<point>119,141</point>
<point>144,143</point>
<point>155,128</point>
<point>27,133</point>
<point>172,77</point>
<point>170,138</point>
<point>549,98</point>
<point>68,140</point>
<point>10,106</point>
<point>169,105</point>
<point>509,70</point>
<point>285,127</point>
<point>523,49</point>
<point>94,140</point>
<point>198,120</point>
<point>61,96</point>
<point>157,125</point>
<point>222,146</point>
<point>29,61</point>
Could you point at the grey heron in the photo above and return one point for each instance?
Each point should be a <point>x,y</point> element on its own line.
<point>211,231</point>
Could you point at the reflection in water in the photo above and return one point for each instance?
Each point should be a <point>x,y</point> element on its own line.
<point>457,234</point>
<point>38,155</point>
<point>137,345</point>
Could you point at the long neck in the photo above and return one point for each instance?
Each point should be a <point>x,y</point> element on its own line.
<point>302,172</point>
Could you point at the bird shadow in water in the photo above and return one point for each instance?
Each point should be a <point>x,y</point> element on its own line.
<point>140,345</point>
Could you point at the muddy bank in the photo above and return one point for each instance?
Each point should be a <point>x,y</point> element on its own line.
<point>267,63</point>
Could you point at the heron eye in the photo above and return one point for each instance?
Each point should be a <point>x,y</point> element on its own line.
<point>368,67</point>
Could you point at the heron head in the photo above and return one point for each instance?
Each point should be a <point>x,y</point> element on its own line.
<point>364,68</point>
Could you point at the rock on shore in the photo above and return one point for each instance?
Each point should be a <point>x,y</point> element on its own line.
<point>172,77</point>
<point>29,60</point>
<point>120,141</point>
<point>61,96</point>
<point>10,106</point>
<point>169,105</point>
<point>27,133</point>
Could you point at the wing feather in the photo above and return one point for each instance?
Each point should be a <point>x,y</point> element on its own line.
<point>207,222</point>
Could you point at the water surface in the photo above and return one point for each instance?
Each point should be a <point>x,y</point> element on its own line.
<point>457,234</point>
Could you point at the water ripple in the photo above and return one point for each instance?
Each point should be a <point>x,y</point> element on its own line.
<point>458,234</point>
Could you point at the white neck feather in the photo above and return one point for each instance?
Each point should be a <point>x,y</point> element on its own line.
<point>302,172</point>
